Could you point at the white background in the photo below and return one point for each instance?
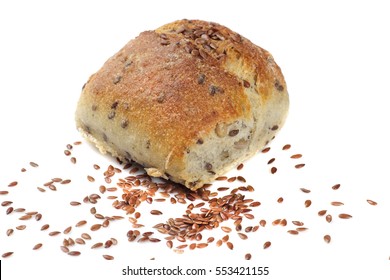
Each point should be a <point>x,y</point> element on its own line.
<point>335,58</point>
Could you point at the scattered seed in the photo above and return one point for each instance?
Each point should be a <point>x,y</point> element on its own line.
<point>293,232</point>
<point>328,218</point>
<point>90,178</point>
<point>7,254</point>
<point>241,179</point>
<point>3,192</point>
<point>21,227</point>
<point>37,246</point>
<point>33,164</point>
<point>96,227</point>
<point>327,238</point>
<point>305,190</point>
<point>210,239</point>
<point>45,227</point>
<point>97,245</point>
<point>280,200</point>
<point>67,152</point>
<point>344,216</point>
<point>226,229</point>
<point>10,231</point>
<point>68,230</point>
<point>80,241</point>
<point>75,203</point>
<point>74,253</point>
<point>6,203</point>
<point>298,166</point>
<point>41,189</point>
<point>9,210</point>
<point>371,202</point>
<point>267,245</point>
<point>64,249</point>
<point>322,212</point>
<point>336,187</point>
<point>271,161</point>
<point>273,170</point>
<point>230,245</point>
<point>337,203</point>
<point>243,236</point>
<point>86,236</point>
<point>81,223</point>
<point>286,147</point>
<point>54,233</point>
<point>12,184</point>
<point>96,167</point>
<point>263,223</point>
<point>67,181</point>
<point>155,212</point>
<point>108,257</point>
<point>307,203</point>
<point>296,156</point>
<point>248,256</point>
<point>73,160</point>
<point>298,223</point>
<point>240,166</point>
<point>201,245</point>
<point>255,204</point>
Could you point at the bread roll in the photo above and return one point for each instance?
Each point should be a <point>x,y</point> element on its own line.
<point>188,101</point>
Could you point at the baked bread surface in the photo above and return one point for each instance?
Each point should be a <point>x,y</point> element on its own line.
<point>189,101</point>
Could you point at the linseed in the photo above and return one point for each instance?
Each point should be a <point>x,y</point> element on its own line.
<point>344,216</point>
<point>81,223</point>
<point>273,170</point>
<point>74,253</point>
<point>328,218</point>
<point>7,254</point>
<point>3,192</point>
<point>336,187</point>
<point>33,164</point>
<point>307,203</point>
<point>248,256</point>
<point>240,166</point>
<point>54,233</point>
<point>322,212</point>
<point>266,244</point>
<point>230,245</point>
<point>108,257</point>
<point>300,165</point>
<point>21,227</point>
<point>37,246</point>
<point>45,227</point>
<point>9,232</point>
<point>337,203</point>
<point>12,184</point>
<point>371,202</point>
<point>327,238</point>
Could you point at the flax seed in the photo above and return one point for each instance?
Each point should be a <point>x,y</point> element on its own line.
<point>75,203</point>
<point>248,256</point>
<point>243,236</point>
<point>226,229</point>
<point>305,190</point>
<point>45,227</point>
<point>68,230</point>
<point>97,245</point>
<point>300,165</point>
<point>108,257</point>
<point>96,227</point>
<point>3,192</point>
<point>81,223</point>
<point>322,212</point>
<point>230,245</point>
<point>7,254</point>
<point>328,218</point>
<point>336,187</point>
<point>327,238</point>
<point>240,166</point>
<point>86,236</point>
<point>12,184</point>
<point>295,156</point>
<point>266,244</point>
<point>344,216</point>
<point>286,147</point>
<point>37,246</point>
<point>273,170</point>
<point>9,232</point>
<point>280,200</point>
<point>262,223</point>
<point>307,203</point>
<point>371,202</point>
<point>74,253</point>
<point>54,233</point>
<point>90,178</point>
<point>33,164</point>
<point>21,227</point>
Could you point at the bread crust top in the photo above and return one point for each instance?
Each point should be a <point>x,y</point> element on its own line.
<point>173,85</point>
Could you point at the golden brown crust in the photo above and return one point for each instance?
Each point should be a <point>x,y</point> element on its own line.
<point>173,85</point>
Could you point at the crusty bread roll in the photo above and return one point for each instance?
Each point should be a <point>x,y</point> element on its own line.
<point>189,101</point>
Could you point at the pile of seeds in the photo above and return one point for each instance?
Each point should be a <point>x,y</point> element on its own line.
<point>224,210</point>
